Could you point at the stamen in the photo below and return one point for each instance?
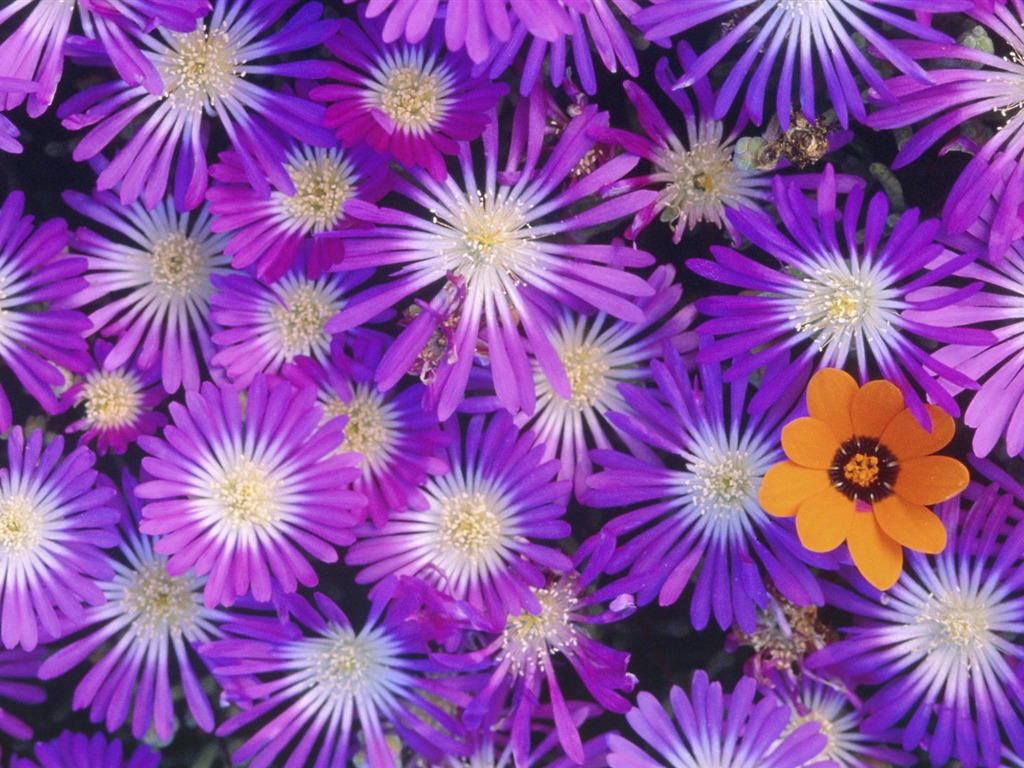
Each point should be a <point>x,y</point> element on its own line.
<point>162,604</point>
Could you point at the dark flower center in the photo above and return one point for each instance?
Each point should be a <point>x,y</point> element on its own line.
<point>863,469</point>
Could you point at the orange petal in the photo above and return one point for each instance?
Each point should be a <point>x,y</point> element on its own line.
<point>930,479</point>
<point>907,439</point>
<point>877,557</point>
<point>874,406</point>
<point>809,443</point>
<point>823,520</point>
<point>787,485</point>
<point>911,525</point>
<point>829,394</point>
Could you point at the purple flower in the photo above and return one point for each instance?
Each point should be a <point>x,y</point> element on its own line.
<point>40,328</point>
<point>247,496</point>
<point>148,616</point>
<point>834,300</point>
<point>119,404</point>
<point>523,656</point>
<point>53,523</point>
<point>36,49</point>
<point>814,36</point>
<point>153,278</point>
<point>477,538</point>
<point>400,445</point>
<point>274,232</point>
<point>212,72</point>
<point>469,24</point>
<point>265,326</point>
<point>943,646</point>
<point>700,515</point>
<point>18,671</point>
<point>753,732</point>
<point>76,750</point>
<point>595,26</point>
<point>496,255</point>
<point>323,686</point>
<point>696,177</point>
<point>415,101</point>
<point>599,353</point>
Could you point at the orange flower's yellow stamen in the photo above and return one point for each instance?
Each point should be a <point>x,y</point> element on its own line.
<point>861,470</point>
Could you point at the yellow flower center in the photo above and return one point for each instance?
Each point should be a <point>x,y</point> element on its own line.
<point>861,470</point>
<point>176,264</point>
<point>323,182</point>
<point>161,603</point>
<point>112,399</point>
<point>247,495</point>
<point>20,525</point>
<point>412,97</point>
<point>864,470</point>
<point>200,69</point>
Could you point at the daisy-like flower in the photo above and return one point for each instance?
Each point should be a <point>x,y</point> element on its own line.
<point>695,174</point>
<point>596,26</point>
<point>488,257</point>
<point>599,353</point>
<point>54,522</point>
<point>324,686</point>
<point>809,36</point>
<point>272,232</point>
<point>40,328</point>
<point>835,298</point>
<point>151,284</point>
<point>247,495</point>
<point>35,50</point>
<point>860,469</point>
<point>400,445</point>
<point>825,703</point>
<point>523,656</point>
<point>119,404</point>
<point>212,72</point>
<point>18,674</point>
<point>750,730</point>
<point>265,326</point>
<point>699,516</point>
<point>414,101</point>
<point>470,24</point>
<point>944,647</point>
<point>478,537</point>
<point>148,618</point>
<point>76,750</point>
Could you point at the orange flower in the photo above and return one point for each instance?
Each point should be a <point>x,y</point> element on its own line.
<point>860,470</point>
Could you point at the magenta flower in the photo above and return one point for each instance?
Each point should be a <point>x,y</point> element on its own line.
<point>414,101</point>
<point>228,49</point>
<point>76,750</point>
<point>247,497</point>
<point>18,674</point>
<point>54,522</point>
<point>495,256</point>
<point>479,536</point>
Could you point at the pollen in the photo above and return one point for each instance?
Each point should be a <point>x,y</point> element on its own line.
<point>299,316</point>
<point>470,525</point>
<point>370,424</point>
<point>323,181</point>
<point>21,526</point>
<point>247,495</point>
<point>413,95</point>
<point>839,304</point>
<point>532,637</point>
<point>345,665</point>
<point>861,470</point>
<point>721,481</point>
<point>161,604</point>
<point>200,69</point>
<point>698,182</point>
<point>112,399</point>
<point>958,624</point>
<point>486,237</point>
<point>587,367</point>
<point>177,266</point>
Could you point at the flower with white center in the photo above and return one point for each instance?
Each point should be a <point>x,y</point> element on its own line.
<point>487,259</point>
<point>600,353</point>
<point>274,232</point>
<point>247,494</point>
<point>149,617</point>
<point>211,73</point>
<point>477,538</point>
<point>811,37</point>
<point>326,686</point>
<point>836,299</point>
<point>943,645</point>
<point>416,102</point>
<point>53,523</point>
<point>267,325</point>
<point>150,283</point>
<point>696,514</point>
